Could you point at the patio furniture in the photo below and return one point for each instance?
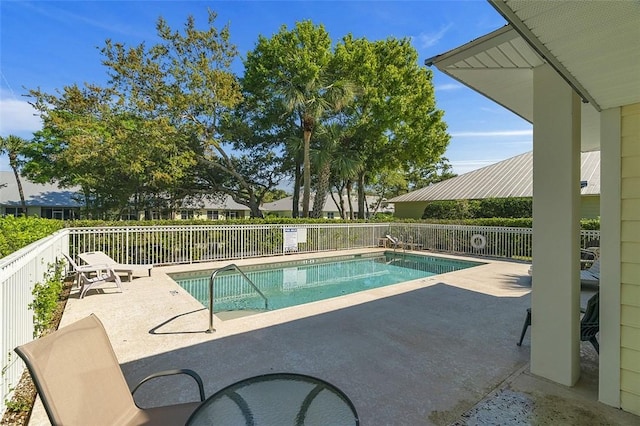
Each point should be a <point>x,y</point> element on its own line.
<point>589,324</point>
<point>396,243</point>
<point>591,276</point>
<point>79,380</point>
<point>101,257</point>
<point>277,399</point>
<point>90,276</point>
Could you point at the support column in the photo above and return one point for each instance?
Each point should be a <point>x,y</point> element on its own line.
<point>555,299</point>
<point>610,257</point>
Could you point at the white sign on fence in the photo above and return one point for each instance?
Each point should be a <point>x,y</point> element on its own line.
<point>290,239</point>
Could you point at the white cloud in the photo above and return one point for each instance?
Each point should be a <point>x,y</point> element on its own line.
<point>448,86</point>
<point>427,40</point>
<point>18,118</point>
<point>495,133</point>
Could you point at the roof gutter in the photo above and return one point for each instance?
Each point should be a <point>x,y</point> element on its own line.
<point>503,8</point>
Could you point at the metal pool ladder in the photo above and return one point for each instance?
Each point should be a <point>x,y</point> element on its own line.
<point>213,277</point>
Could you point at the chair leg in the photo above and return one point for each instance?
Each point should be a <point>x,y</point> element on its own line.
<point>527,323</point>
<point>595,344</point>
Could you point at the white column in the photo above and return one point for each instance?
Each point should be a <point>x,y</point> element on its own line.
<point>555,299</point>
<point>610,195</point>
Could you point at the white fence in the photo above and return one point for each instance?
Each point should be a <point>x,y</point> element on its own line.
<point>19,272</point>
<point>163,245</point>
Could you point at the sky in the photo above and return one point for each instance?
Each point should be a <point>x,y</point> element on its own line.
<point>53,44</point>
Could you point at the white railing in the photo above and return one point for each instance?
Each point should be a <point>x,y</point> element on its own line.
<point>164,245</point>
<point>19,272</point>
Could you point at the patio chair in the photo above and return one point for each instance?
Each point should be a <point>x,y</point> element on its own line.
<point>101,257</point>
<point>79,380</point>
<point>589,324</point>
<point>591,275</point>
<point>90,276</point>
<point>395,243</point>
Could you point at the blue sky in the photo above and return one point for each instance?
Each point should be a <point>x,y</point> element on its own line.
<point>50,44</point>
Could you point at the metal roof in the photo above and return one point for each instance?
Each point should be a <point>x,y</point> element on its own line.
<point>285,204</point>
<point>208,202</point>
<point>36,195</point>
<point>512,177</point>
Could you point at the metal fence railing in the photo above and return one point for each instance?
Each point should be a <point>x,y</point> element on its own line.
<point>165,245</point>
<point>19,272</point>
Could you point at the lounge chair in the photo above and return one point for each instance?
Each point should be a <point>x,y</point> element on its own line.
<point>98,257</point>
<point>396,243</point>
<point>79,380</point>
<point>589,324</point>
<point>90,276</point>
<point>589,276</point>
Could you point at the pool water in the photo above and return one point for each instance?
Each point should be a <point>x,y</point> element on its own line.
<point>287,284</point>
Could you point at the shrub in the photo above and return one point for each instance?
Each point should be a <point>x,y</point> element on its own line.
<point>45,298</point>
<point>18,232</point>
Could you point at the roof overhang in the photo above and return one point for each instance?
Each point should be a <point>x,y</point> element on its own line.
<point>592,45</point>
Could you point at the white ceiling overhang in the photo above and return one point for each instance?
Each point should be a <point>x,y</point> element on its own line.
<point>594,46</point>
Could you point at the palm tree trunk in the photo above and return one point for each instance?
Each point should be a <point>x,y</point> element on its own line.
<point>295,208</point>
<point>321,190</point>
<point>361,196</point>
<point>349,200</point>
<point>306,193</point>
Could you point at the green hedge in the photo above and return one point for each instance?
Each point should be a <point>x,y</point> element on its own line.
<point>485,208</point>
<point>18,232</point>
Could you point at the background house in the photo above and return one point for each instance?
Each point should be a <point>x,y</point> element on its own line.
<point>212,208</point>
<point>512,177</point>
<point>43,200</point>
<point>284,207</point>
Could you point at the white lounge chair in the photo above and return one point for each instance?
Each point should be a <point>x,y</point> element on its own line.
<point>90,276</point>
<point>98,257</point>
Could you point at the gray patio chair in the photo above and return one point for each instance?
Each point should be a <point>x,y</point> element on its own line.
<point>589,324</point>
<point>79,380</point>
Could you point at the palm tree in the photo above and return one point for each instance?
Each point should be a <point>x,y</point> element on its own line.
<point>12,146</point>
<point>312,102</point>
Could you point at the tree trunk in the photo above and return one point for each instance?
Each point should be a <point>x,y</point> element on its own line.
<point>13,162</point>
<point>306,193</point>
<point>321,190</point>
<point>295,208</point>
<point>23,202</point>
<point>361,196</point>
<point>349,200</point>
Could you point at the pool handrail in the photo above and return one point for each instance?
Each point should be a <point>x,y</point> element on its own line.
<point>229,267</point>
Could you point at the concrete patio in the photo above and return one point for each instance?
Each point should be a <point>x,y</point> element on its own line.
<point>439,350</point>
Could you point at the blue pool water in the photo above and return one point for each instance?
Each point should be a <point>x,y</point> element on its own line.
<point>287,284</point>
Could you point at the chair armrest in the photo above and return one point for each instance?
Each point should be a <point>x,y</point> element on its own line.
<point>188,372</point>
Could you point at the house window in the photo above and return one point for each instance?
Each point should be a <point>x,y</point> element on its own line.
<point>233,215</point>
<point>58,213</point>
<point>213,215</point>
<point>186,214</point>
<point>330,215</point>
<point>12,211</point>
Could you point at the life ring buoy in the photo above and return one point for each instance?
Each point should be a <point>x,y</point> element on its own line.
<point>478,241</point>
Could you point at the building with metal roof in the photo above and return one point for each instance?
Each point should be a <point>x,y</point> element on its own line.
<point>43,200</point>
<point>512,177</point>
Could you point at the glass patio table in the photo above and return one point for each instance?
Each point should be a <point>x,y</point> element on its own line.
<point>277,399</point>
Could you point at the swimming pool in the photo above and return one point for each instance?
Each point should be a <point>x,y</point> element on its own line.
<point>293,283</point>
